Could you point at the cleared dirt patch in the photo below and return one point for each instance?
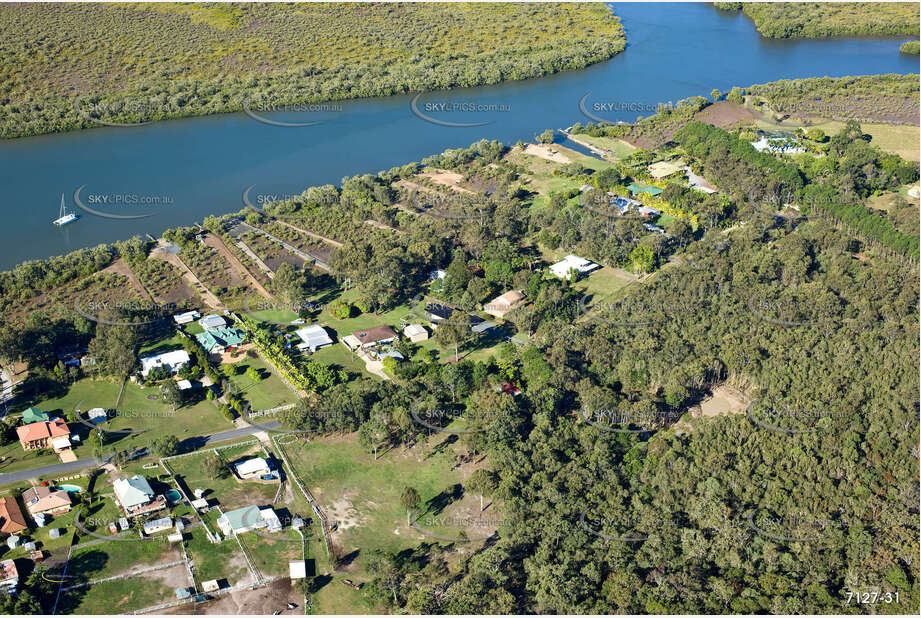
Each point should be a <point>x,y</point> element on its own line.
<point>265,600</point>
<point>724,400</point>
<point>544,151</point>
<point>448,179</point>
<point>726,115</point>
<point>175,576</point>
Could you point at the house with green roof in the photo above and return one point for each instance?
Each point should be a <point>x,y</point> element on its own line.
<point>34,415</point>
<point>248,518</point>
<point>217,340</point>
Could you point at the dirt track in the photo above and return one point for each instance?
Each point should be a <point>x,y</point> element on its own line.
<point>236,266</point>
<point>119,267</point>
<point>265,600</point>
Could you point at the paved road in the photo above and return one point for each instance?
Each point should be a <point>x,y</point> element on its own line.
<point>199,442</point>
<point>189,444</point>
<point>62,468</point>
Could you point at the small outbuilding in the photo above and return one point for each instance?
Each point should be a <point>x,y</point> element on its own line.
<point>297,569</point>
<point>416,332</point>
<point>252,468</point>
<point>210,586</point>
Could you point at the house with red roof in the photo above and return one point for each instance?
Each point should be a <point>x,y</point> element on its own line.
<point>12,520</point>
<point>44,434</point>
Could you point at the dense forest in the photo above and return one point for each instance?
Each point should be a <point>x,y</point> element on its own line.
<point>816,20</point>
<point>126,63</point>
<point>910,47</point>
<point>886,98</point>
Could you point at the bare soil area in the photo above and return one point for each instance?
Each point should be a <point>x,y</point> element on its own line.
<point>726,115</point>
<point>544,151</point>
<point>448,179</point>
<point>264,601</point>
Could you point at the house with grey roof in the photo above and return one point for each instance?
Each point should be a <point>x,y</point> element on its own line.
<point>313,337</point>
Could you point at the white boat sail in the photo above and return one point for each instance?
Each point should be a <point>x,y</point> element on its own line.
<point>65,217</point>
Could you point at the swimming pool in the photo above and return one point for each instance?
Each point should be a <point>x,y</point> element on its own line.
<point>173,495</point>
<point>71,489</point>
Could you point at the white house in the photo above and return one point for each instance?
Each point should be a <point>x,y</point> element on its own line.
<point>173,360</point>
<point>187,317</point>
<point>158,525</point>
<point>775,145</point>
<point>314,337</point>
<point>572,262</point>
<point>253,468</point>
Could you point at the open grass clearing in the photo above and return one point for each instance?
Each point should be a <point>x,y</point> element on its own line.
<point>362,496</point>
<point>266,392</point>
<point>604,282</point>
<point>900,139</point>
<point>216,560</point>
<point>124,595</point>
<point>272,556</point>
<point>114,557</point>
<point>229,493</point>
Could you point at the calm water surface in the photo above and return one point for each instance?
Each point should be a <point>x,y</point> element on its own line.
<point>201,166</point>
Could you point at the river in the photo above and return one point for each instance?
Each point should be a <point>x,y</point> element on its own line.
<point>180,171</point>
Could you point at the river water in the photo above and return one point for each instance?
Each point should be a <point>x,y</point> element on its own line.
<point>180,171</point>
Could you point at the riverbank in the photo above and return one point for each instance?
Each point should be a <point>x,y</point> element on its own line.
<point>274,57</point>
<point>205,164</point>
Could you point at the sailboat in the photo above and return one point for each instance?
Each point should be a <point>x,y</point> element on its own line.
<point>65,217</point>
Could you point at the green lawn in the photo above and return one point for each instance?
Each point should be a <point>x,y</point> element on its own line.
<point>114,557</point>
<point>362,498</point>
<point>119,596</point>
<point>143,411</point>
<point>41,536</point>
<point>902,140</point>
<point>275,315</point>
<point>271,556</point>
<point>216,561</point>
<point>228,492</point>
<point>265,393</point>
<point>13,458</point>
<point>603,282</point>
<point>337,355</point>
<point>163,345</point>
<point>85,394</point>
<point>193,328</point>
